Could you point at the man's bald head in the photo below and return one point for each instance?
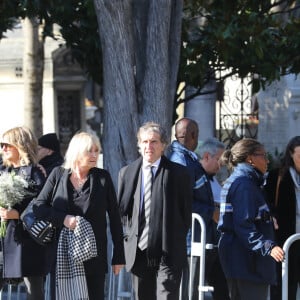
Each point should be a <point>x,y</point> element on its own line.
<point>186,133</point>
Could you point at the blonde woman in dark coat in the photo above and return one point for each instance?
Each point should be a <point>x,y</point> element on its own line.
<point>22,256</point>
<point>86,191</point>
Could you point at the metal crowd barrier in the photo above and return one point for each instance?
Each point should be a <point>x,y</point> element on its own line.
<point>120,286</point>
<point>285,267</point>
<point>18,292</point>
<point>11,292</point>
<point>198,249</point>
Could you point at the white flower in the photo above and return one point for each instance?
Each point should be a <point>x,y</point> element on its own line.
<point>13,188</point>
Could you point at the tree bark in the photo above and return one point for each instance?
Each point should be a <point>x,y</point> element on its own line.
<point>33,69</point>
<point>140,44</point>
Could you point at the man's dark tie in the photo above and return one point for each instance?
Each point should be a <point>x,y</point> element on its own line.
<point>143,241</point>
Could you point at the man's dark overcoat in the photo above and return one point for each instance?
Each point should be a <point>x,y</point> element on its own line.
<point>170,216</point>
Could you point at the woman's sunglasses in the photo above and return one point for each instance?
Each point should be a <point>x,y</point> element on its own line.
<point>2,145</point>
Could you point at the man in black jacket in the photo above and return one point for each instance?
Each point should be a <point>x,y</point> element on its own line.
<point>182,151</point>
<point>49,152</point>
<point>156,264</point>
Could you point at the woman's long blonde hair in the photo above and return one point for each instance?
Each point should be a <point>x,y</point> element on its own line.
<point>23,139</point>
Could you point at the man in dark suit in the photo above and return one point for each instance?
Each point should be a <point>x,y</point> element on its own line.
<point>156,262</point>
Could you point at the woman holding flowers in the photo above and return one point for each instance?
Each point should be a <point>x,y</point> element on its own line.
<point>20,181</point>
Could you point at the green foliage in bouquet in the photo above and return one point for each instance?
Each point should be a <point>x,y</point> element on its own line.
<point>13,188</point>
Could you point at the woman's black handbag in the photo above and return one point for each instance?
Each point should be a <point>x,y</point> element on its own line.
<point>43,232</point>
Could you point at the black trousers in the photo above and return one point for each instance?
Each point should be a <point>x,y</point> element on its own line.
<point>247,290</point>
<point>151,283</point>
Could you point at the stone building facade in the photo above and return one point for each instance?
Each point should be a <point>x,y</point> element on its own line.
<point>66,91</point>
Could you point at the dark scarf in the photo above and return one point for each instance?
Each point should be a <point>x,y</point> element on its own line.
<point>157,239</point>
<point>49,162</point>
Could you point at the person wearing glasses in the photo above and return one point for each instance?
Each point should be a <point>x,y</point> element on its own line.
<point>283,192</point>
<point>247,248</point>
<point>23,258</point>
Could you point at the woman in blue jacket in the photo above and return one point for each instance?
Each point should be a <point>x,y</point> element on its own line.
<point>247,249</point>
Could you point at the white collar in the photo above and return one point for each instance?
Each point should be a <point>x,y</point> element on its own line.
<point>155,164</point>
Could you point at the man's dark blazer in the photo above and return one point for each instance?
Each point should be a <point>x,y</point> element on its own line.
<point>175,191</point>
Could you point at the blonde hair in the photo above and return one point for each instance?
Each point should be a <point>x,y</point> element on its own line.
<point>23,139</point>
<point>80,143</point>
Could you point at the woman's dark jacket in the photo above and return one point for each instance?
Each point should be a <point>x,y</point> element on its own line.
<point>203,202</point>
<point>22,256</point>
<point>247,229</point>
<point>102,200</point>
<point>49,162</point>
<point>285,210</point>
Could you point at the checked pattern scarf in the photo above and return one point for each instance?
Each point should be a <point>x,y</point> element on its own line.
<point>74,247</point>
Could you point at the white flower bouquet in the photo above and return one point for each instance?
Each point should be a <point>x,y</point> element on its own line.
<point>12,191</point>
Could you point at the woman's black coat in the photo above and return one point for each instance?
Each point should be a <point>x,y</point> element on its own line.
<point>22,256</point>
<point>285,208</point>
<point>285,212</point>
<point>102,201</point>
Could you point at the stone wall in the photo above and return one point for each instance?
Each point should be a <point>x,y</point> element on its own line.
<point>279,113</point>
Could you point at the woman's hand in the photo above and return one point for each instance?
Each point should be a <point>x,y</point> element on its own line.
<point>277,253</point>
<point>117,268</point>
<point>8,214</point>
<point>70,222</point>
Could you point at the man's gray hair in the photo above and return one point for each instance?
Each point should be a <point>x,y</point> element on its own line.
<point>153,127</point>
<point>211,146</point>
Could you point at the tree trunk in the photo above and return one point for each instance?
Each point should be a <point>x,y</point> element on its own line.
<point>140,44</point>
<point>33,66</point>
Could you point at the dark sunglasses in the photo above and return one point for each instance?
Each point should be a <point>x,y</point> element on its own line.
<point>2,145</point>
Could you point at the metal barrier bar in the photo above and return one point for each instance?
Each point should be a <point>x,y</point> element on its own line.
<point>111,284</point>
<point>124,279</point>
<point>9,293</point>
<point>120,286</point>
<point>285,267</point>
<point>198,249</point>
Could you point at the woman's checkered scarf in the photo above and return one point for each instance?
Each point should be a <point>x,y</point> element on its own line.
<point>74,247</point>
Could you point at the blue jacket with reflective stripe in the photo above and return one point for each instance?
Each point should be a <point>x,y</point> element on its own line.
<point>203,203</point>
<point>247,228</point>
